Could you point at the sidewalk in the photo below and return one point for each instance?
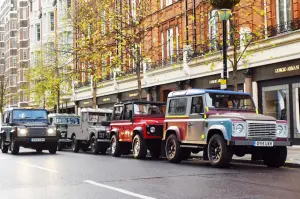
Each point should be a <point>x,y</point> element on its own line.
<point>293,157</point>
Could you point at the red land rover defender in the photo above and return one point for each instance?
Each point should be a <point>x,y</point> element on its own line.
<point>137,125</point>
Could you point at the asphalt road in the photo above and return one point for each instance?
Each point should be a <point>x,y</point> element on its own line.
<point>85,176</point>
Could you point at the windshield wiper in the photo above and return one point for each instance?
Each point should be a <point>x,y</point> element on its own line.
<point>39,118</point>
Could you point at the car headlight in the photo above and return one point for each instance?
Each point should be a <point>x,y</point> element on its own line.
<point>152,129</point>
<point>51,131</point>
<point>282,130</point>
<point>238,130</point>
<point>22,132</point>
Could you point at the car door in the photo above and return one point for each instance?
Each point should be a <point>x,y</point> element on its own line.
<point>127,122</point>
<point>196,120</point>
<point>84,127</point>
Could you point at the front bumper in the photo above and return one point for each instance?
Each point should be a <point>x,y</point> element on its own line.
<point>64,140</point>
<point>252,143</point>
<point>27,143</point>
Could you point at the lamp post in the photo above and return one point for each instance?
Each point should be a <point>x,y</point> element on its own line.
<point>224,15</point>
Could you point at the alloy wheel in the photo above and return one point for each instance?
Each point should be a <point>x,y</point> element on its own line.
<point>113,145</point>
<point>136,147</point>
<point>171,148</point>
<point>216,150</point>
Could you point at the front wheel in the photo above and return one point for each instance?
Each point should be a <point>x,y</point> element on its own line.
<point>138,147</point>
<point>115,146</point>
<point>275,157</point>
<point>173,150</point>
<point>53,149</point>
<point>218,153</point>
<point>14,147</point>
<point>4,148</point>
<point>75,145</point>
<point>94,145</point>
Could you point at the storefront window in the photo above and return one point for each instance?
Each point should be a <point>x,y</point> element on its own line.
<point>296,99</point>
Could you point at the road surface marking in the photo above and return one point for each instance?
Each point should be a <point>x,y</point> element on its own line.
<point>42,168</point>
<point>118,190</point>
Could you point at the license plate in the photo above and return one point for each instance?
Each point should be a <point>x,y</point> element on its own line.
<point>37,139</point>
<point>263,143</point>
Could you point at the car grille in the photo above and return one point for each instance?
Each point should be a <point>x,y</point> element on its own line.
<point>102,134</point>
<point>261,129</point>
<point>158,130</point>
<point>36,132</point>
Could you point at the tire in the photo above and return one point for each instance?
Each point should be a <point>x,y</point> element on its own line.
<point>186,154</point>
<point>95,148</point>
<point>115,146</point>
<point>75,144</point>
<point>103,150</point>
<point>14,147</point>
<point>155,153</point>
<point>39,150</point>
<point>53,149</point>
<point>139,149</point>
<point>4,148</point>
<point>218,153</point>
<point>60,146</point>
<point>173,150</point>
<point>275,157</point>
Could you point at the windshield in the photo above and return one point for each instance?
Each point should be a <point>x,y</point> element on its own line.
<point>67,120</point>
<point>29,114</point>
<point>148,109</point>
<point>99,117</point>
<point>232,101</point>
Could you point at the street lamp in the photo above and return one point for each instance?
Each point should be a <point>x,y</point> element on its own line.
<point>224,15</point>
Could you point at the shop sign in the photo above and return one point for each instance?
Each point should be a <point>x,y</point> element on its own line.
<point>214,81</point>
<point>133,94</point>
<point>287,69</point>
<point>106,99</point>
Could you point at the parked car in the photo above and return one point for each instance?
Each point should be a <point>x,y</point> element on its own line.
<point>27,127</point>
<point>222,123</point>
<point>137,125</point>
<point>92,131</point>
<point>61,122</point>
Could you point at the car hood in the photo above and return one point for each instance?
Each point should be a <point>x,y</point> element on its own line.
<point>35,124</point>
<point>244,116</point>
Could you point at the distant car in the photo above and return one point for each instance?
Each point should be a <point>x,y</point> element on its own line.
<point>27,127</point>
<point>137,126</point>
<point>61,122</point>
<point>92,132</point>
<point>222,123</point>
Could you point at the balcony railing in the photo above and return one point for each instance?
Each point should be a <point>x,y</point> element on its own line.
<point>283,28</point>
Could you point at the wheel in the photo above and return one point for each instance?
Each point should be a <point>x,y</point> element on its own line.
<point>4,148</point>
<point>275,157</point>
<point>115,146</point>
<point>14,147</point>
<point>75,145</point>
<point>155,153</point>
<point>218,153</point>
<point>103,150</point>
<point>94,145</point>
<point>60,146</point>
<point>53,149</point>
<point>186,154</point>
<point>39,150</point>
<point>138,147</point>
<point>173,150</point>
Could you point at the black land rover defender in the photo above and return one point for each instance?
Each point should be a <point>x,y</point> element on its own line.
<point>27,127</point>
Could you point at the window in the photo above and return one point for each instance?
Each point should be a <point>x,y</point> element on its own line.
<point>38,32</point>
<point>13,43</point>
<point>117,113</point>
<point>148,109</point>
<point>162,46</point>
<point>24,55</point>
<point>133,10</point>
<point>51,21</point>
<point>22,13</point>
<point>276,103</point>
<point>127,114</point>
<point>283,11</point>
<point>213,28</point>
<point>161,4</point>
<point>69,3</point>
<point>197,105</point>
<point>177,40</point>
<point>170,43</point>
<point>168,2</point>
<point>1,36</point>
<point>177,106</point>
<point>13,25</point>
<point>14,62</point>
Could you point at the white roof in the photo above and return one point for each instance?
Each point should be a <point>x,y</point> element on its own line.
<point>62,115</point>
<point>97,110</point>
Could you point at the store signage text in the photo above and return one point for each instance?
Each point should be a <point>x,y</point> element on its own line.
<point>214,81</point>
<point>106,99</point>
<point>86,102</point>
<point>287,69</point>
<point>133,94</point>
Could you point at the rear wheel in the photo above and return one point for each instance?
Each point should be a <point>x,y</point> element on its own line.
<point>173,150</point>
<point>139,147</point>
<point>75,144</point>
<point>4,148</point>
<point>94,145</point>
<point>218,153</point>
<point>275,157</point>
<point>115,146</point>
<point>53,149</point>
<point>14,147</point>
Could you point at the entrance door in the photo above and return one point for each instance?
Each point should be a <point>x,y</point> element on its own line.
<point>296,115</point>
<point>276,102</point>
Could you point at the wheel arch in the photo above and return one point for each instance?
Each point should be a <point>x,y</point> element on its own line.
<point>214,131</point>
<point>137,131</point>
<point>172,130</point>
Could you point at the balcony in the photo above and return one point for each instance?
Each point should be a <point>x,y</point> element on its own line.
<point>283,28</point>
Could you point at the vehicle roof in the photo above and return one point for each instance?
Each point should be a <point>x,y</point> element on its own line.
<point>140,102</point>
<point>23,108</point>
<point>97,110</point>
<point>202,91</point>
<point>62,115</point>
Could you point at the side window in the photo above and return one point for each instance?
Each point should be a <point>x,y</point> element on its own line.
<point>127,114</point>
<point>177,106</point>
<point>197,105</point>
<point>84,117</point>
<point>51,121</point>
<point>117,113</point>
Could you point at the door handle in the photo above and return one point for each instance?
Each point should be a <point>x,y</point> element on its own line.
<point>190,124</point>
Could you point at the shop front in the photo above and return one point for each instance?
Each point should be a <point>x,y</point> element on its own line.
<point>88,103</point>
<point>279,93</point>
<point>107,101</point>
<point>133,95</point>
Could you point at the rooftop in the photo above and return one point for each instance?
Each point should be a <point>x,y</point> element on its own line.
<point>98,110</point>
<point>202,91</point>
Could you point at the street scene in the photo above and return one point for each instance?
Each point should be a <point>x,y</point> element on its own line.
<point>149,99</point>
